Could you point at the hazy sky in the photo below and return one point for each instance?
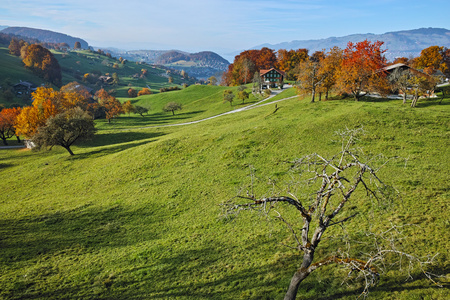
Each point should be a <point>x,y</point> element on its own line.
<point>219,25</point>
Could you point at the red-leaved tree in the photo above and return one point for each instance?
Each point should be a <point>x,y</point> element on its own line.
<point>361,69</point>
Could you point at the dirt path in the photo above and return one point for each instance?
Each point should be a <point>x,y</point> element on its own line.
<point>257,104</point>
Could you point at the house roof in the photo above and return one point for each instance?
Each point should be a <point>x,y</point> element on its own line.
<point>394,66</point>
<point>24,83</point>
<point>264,72</point>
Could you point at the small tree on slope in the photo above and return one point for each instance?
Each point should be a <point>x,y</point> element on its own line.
<point>65,129</point>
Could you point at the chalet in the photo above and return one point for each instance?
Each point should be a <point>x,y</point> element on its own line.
<point>24,88</point>
<point>396,68</point>
<point>80,88</point>
<point>105,79</point>
<point>271,78</point>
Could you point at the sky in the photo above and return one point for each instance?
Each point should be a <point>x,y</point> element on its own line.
<point>223,26</point>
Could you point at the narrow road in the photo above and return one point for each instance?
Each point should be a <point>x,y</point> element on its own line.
<point>257,104</point>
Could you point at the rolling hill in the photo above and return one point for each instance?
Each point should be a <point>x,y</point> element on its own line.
<point>137,214</point>
<point>200,65</point>
<point>74,64</point>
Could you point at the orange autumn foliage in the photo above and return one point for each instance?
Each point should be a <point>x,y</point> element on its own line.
<point>111,105</point>
<point>7,123</point>
<point>360,71</point>
<point>46,103</point>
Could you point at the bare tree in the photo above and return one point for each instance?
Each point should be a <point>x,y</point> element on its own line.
<point>256,88</point>
<point>326,188</point>
<point>309,77</point>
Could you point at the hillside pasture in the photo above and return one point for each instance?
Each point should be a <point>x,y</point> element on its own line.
<point>136,213</point>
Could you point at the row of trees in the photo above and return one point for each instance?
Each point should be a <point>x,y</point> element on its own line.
<point>58,117</point>
<point>66,116</point>
<point>355,70</point>
<point>362,68</point>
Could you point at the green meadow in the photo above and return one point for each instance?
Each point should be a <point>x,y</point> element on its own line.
<point>74,64</point>
<point>136,213</point>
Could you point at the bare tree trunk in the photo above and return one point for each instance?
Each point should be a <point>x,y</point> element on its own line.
<point>300,275</point>
<point>313,95</point>
<point>69,150</point>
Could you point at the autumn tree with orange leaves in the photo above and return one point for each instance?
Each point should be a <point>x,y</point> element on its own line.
<point>246,64</point>
<point>48,103</point>
<point>7,123</point>
<point>42,62</point>
<point>434,57</point>
<point>111,105</point>
<point>330,66</point>
<point>361,69</point>
<point>288,61</point>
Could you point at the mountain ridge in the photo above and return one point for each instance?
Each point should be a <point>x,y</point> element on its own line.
<point>44,35</point>
<point>397,43</point>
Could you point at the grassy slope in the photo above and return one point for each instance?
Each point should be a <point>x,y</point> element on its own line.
<point>199,102</point>
<point>75,64</point>
<point>12,71</point>
<point>135,214</point>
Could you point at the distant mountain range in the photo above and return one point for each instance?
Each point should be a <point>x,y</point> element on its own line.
<point>201,65</point>
<point>46,36</point>
<point>204,64</point>
<point>398,43</point>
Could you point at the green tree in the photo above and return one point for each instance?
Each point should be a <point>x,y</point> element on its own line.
<point>115,78</point>
<point>243,95</point>
<point>65,129</point>
<point>128,108</point>
<point>172,106</point>
<point>228,96</point>
<point>140,110</point>
<point>212,80</point>
<point>132,93</point>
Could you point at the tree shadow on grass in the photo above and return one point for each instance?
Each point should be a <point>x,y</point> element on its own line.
<point>113,138</point>
<point>154,119</point>
<point>110,143</point>
<point>432,102</point>
<point>85,228</point>
<point>168,118</point>
<point>199,265</point>
<point>4,166</point>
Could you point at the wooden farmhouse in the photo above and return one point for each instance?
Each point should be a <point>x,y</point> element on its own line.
<point>271,78</point>
<point>24,88</point>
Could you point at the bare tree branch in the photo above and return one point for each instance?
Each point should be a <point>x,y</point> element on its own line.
<point>328,185</point>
